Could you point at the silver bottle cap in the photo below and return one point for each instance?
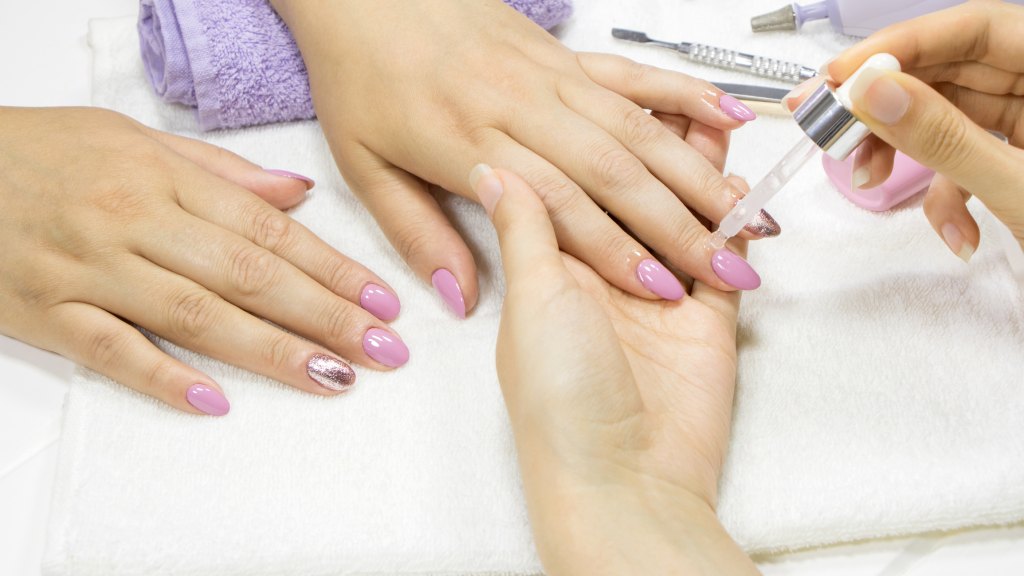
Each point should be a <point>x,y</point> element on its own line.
<point>829,124</point>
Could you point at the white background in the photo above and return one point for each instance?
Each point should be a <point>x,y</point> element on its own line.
<point>44,61</point>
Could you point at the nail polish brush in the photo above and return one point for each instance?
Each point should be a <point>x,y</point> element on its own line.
<point>725,58</point>
<point>828,125</point>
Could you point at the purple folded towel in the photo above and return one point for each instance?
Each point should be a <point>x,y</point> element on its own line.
<point>236,61</point>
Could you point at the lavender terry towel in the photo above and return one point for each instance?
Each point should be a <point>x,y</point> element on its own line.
<point>236,61</point>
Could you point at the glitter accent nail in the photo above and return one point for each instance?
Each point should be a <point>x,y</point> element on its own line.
<point>764,226</point>
<point>330,372</point>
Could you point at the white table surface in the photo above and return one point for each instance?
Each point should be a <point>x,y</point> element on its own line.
<point>45,62</point>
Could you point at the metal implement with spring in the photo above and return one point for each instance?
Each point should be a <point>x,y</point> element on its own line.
<point>727,59</point>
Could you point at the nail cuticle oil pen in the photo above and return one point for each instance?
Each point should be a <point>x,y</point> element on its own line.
<point>828,125</point>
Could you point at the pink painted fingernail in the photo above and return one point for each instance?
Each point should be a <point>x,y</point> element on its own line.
<point>448,287</point>
<point>286,174</point>
<point>380,302</point>
<point>207,400</point>
<point>385,347</point>
<point>734,270</point>
<point>735,109</point>
<point>659,280</point>
<point>330,372</point>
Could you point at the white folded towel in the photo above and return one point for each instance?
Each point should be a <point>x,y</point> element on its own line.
<point>880,387</point>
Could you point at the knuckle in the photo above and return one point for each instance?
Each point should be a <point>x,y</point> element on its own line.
<point>413,241</point>
<point>105,347</point>
<point>159,376</point>
<point>559,195</point>
<point>252,270</point>
<point>192,313</point>
<point>637,73</point>
<point>685,237</point>
<point>640,128</point>
<point>944,138</point>
<point>270,229</point>
<point>613,167</point>
<point>338,324</point>
<point>275,352</point>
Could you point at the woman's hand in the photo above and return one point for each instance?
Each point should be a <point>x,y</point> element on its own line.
<point>620,406</point>
<point>963,74</point>
<point>105,223</point>
<point>413,94</point>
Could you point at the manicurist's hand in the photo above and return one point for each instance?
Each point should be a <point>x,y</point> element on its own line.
<point>106,223</point>
<point>620,405</point>
<point>963,74</point>
<point>413,94</point>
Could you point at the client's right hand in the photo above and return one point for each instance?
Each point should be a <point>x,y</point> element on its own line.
<point>106,223</point>
<point>963,74</point>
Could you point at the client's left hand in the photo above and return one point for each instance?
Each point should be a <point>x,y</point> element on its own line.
<point>620,406</point>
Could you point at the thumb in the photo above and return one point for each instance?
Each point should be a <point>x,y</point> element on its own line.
<point>525,233</point>
<point>914,118</point>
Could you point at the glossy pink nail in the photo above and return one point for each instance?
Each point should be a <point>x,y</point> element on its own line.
<point>659,280</point>
<point>385,347</point>
<point>286,174</point>
<point>733,270</point>
<point>448,287</point>
<point>380,302</point>
<point>207,400</point>
<point>735,109</point>
<point>330,372</point>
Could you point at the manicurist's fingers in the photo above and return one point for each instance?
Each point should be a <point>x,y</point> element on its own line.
<point>97,340</point>
<point>283,189</point>
<point>529,248</point>
<point>986,32</point>
<point>945,206</point>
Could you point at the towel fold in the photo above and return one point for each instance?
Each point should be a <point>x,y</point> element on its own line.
<point>236,62</point>
<point>880,381</point>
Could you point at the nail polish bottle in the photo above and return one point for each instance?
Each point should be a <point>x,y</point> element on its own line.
<point>908,179</point>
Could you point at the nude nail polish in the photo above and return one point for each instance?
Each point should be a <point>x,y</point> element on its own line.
<point>331,373</point>
<point>207,399</point>
<point>956,241</point>
<point>380,302</point>
<point>385,347</point>
<point>659,280</point>
<point>448,287</point>
<point>735,109</point>
<point>286,174</point>
<point>734,270</point>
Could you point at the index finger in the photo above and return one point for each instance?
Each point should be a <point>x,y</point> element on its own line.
<point>987,32</point>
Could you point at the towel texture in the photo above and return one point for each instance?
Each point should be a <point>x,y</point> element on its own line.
<point>880,382</point>
<point>236,62</point>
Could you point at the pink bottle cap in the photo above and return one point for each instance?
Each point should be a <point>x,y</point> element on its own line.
<point>908,179</point>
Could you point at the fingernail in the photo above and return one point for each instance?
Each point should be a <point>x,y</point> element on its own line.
<point>448,287</point>
<point>789,100</point>
<point>878,94</point>
<point>823,70</point>
<point>385,347</point>
<point>487,186</point>
<point>957,242</point>
<point>207,400</point>
<point>380,302</point>
<point>330,372</point>
<point>764,226</point>
<point>659,280</point>
<point>286,174</point>
<point>862,166</point>
<point>734,270</point>
<point>735,109</point>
